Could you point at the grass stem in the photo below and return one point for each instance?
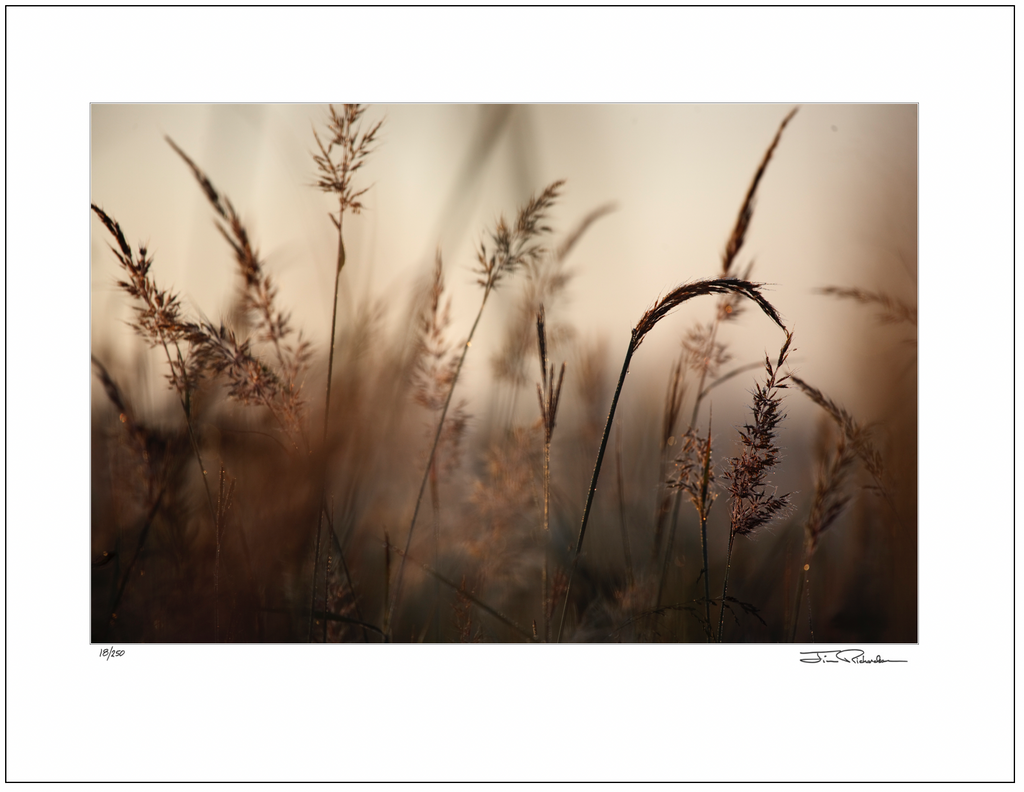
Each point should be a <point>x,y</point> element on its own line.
<point>430,461</point>
<point>327,421</point>
<point>593,481</point>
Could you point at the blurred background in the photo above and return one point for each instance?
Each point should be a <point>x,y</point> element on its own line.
<point>836,207</point>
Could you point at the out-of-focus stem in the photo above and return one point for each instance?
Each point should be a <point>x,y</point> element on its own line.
<point>327,420</point>
<point>430,461</point>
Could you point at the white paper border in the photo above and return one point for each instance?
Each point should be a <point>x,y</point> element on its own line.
<point>517,713</point>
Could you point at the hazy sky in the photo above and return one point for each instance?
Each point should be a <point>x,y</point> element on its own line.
<point>837,206</point>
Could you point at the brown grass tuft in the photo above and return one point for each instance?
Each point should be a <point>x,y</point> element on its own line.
<point>752,507</point>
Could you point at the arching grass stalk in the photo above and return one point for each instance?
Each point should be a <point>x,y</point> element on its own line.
<point>336,177</point>
<point>708,350</point>
<point>655,314</point>
<point>513,247</point>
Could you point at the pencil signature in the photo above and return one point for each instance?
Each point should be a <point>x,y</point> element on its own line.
<point>842,656</point>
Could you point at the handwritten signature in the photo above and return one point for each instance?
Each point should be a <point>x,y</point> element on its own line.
<point>843,656</point>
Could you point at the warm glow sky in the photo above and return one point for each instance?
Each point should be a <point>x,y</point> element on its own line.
<point>838,205</point>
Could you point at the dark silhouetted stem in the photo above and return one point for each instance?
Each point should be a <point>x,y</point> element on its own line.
<point>705,510</point>
<point>627,551</point>
<point>725,586</point>
<point>593,482</point>
<point>707,584</point>
<point>546,539</point>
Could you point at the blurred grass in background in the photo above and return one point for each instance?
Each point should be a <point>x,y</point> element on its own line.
<point>837,207</point>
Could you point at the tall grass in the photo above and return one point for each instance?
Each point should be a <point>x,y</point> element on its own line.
<point>310,533</point>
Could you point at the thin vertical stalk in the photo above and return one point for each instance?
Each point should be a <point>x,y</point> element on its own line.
<point>547,483</point>
<point>247,558</point>
<point>593,481</point>
<point>547,540</point>
<point>436,504</point>
<point>334,325</point>
<point>725,585</point>
<point>348,576</point>
<point>327,575</point>
<point>796,606</point>
<point>430,461</point>
<point>673,404</point>
<point>707,584</point>
<point>327,420</point>
<point>545,596</point>
<point>146,526</point>
<point>336,178</point>
<point>626,548</point>
<point>548,395</point>
<point>184,400</point>
<point>705,510</point>
<point>216,563</point>
<point>807,591</point>
<point>669,546</point>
